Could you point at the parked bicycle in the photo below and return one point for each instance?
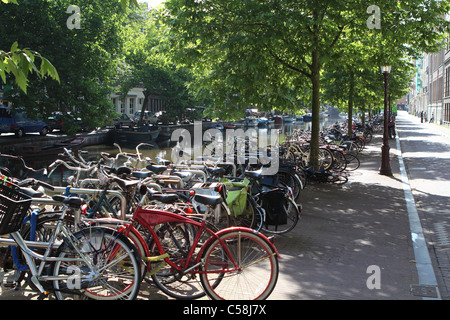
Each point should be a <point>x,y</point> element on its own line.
<point>194,252</point>
<point>72,263</point>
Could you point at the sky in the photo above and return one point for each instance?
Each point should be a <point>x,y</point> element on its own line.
<point>152,3</point>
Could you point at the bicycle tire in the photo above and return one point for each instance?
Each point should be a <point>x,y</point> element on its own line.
<point>325,158</point>
<point>339,162</point>
<point>258,265</point>
<point>249,218</point>
<point>292,180</point>
<point>352,161</point>
<point>115,256</point>
<point>337,178</point>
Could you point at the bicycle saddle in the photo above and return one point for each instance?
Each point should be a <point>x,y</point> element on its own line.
<point>209,200</point>
<point>31,192</point>
<point>70,201</point>
<point>142,174</point>
<point>216,172</point>
<point>183,175</point>
<point>253,174</point>
<point>164,198</point>
<point>156,168</point>
<point>122,170</point>
<point>123,183</point>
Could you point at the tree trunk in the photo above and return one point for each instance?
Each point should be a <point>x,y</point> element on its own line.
<point>363,116</point>
<point>350,104</point>
<point>315,109</point>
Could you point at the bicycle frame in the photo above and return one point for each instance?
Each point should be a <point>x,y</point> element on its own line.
<point>150,218</point>
<point>31,256</point>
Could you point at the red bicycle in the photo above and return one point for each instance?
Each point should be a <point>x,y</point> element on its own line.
<point>186,257</point>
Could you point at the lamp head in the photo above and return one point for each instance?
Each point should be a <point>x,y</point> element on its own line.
<point>386,69</point>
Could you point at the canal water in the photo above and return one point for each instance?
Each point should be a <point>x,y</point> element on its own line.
<point>162,149</point>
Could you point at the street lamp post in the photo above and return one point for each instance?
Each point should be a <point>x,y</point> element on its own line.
<point>385,168</point>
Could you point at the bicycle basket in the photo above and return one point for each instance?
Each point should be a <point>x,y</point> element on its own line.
<point>274,203</point>
<point>13,209</point>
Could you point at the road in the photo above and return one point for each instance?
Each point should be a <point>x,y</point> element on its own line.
<point>426,154</point>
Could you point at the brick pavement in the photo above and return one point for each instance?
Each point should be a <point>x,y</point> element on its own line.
<point>344,231</point>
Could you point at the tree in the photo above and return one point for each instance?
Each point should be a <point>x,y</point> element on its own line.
<point>147,64</point>
<point>353,82</point>
<point>86,58</point>
<point>269,52</point>
<point>20,62</point>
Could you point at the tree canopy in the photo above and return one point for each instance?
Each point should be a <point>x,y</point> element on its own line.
<point>270,53</point>
<point>228,55</point>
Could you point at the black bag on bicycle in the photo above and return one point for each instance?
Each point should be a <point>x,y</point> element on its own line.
<point>274,203</point>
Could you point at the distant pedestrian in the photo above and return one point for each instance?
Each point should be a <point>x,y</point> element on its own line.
<point>421,116</point>
<point>432,117</point>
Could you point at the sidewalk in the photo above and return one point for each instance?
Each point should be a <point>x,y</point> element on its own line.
<point>426,154</point>
<point>346,232</point>
<point>438,128</point>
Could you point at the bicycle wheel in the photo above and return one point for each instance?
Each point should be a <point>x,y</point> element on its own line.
<point>249,218</point>
<point>240,265</point>
<point>337,178</point>
<point>116,268</point>
<point>339,162</point>
<point>292,180</point>
<point>42,231</point>
<point>352,161</point>
<point>325,158</point>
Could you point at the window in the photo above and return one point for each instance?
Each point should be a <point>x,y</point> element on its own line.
<point>131,110</point>
<point>447,82</point>
<point>122,106</point>
<point>447,112</point>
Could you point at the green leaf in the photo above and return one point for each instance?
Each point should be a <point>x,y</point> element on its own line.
<point>10,1</point>
<point>14,47</point>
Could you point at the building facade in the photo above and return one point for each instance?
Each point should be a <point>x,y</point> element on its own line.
<point>134,101</point>
<point>446,90</point>
<point>430,91</point>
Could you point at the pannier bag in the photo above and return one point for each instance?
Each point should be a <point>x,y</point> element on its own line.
<point>274,203</point>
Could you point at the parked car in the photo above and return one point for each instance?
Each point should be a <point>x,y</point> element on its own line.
<point>54,123</point>
<point>123,120</point>
<point>147,119</point>
<point>17,122</point>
